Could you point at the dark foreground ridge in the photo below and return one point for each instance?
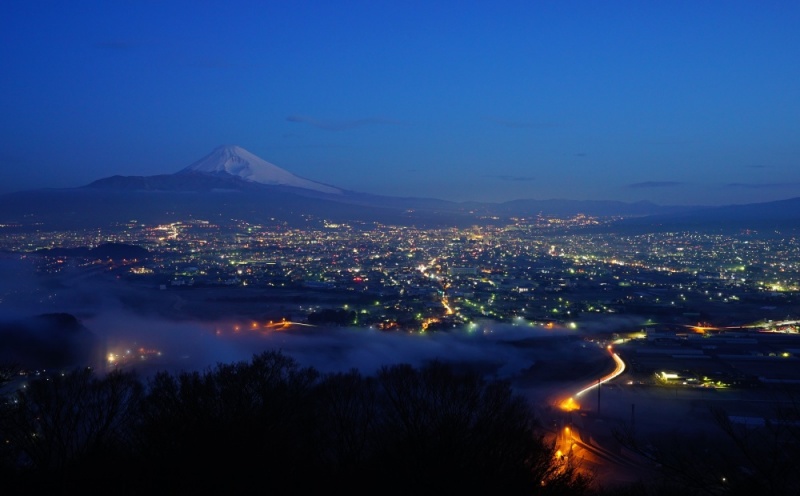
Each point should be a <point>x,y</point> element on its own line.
<point>271,425</point>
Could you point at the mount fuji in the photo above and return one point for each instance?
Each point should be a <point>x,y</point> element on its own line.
<point>228,183</point>
<point>236,161</point>
<point>226,168</point>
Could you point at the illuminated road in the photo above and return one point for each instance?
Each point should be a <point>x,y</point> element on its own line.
<point>445,285</point>
<point>285,324</point>
<point>763,326</point>
<point>605,467</point>
<point>280,325</point>
<point>571,403</point>
<point>576,446</point>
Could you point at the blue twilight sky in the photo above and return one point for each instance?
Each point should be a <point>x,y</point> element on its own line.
<point>677,102</point>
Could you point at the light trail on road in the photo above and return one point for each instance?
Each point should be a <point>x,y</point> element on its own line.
<point>570,404</point>
<point>615,373</point>
<point>592,458</point>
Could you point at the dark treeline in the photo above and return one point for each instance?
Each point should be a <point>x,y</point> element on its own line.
<point>270,426</point>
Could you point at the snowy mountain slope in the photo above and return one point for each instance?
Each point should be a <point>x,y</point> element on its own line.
<point>236,161</point>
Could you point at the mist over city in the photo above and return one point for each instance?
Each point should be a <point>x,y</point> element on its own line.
<point>130,328</point>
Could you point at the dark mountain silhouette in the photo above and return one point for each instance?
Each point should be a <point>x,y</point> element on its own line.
<point>781,214</point>
<point>231,182</point>
<point>48,341</point>
<point>106,251</point>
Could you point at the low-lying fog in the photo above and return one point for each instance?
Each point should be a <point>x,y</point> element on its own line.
<point>132,328</point>
<point>145,329</point>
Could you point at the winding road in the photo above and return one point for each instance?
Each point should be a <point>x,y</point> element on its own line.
<point>577,446</point>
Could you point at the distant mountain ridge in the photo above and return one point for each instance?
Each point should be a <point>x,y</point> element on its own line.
<point>231,182</point>
<point>779,214</point>
<point>231,168</point>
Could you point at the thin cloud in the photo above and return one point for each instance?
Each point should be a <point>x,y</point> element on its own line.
<point>322,146</point>
<point>655,184</point>
<point>517,179</point>
<point>214,63</point>
<point>116,45</point>
<point>666,142</point>
<point>340,125</point>
<point>521,124</point>
<point>762,185</point>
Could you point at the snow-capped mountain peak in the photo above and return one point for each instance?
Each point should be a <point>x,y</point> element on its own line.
<point>237,161</point>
